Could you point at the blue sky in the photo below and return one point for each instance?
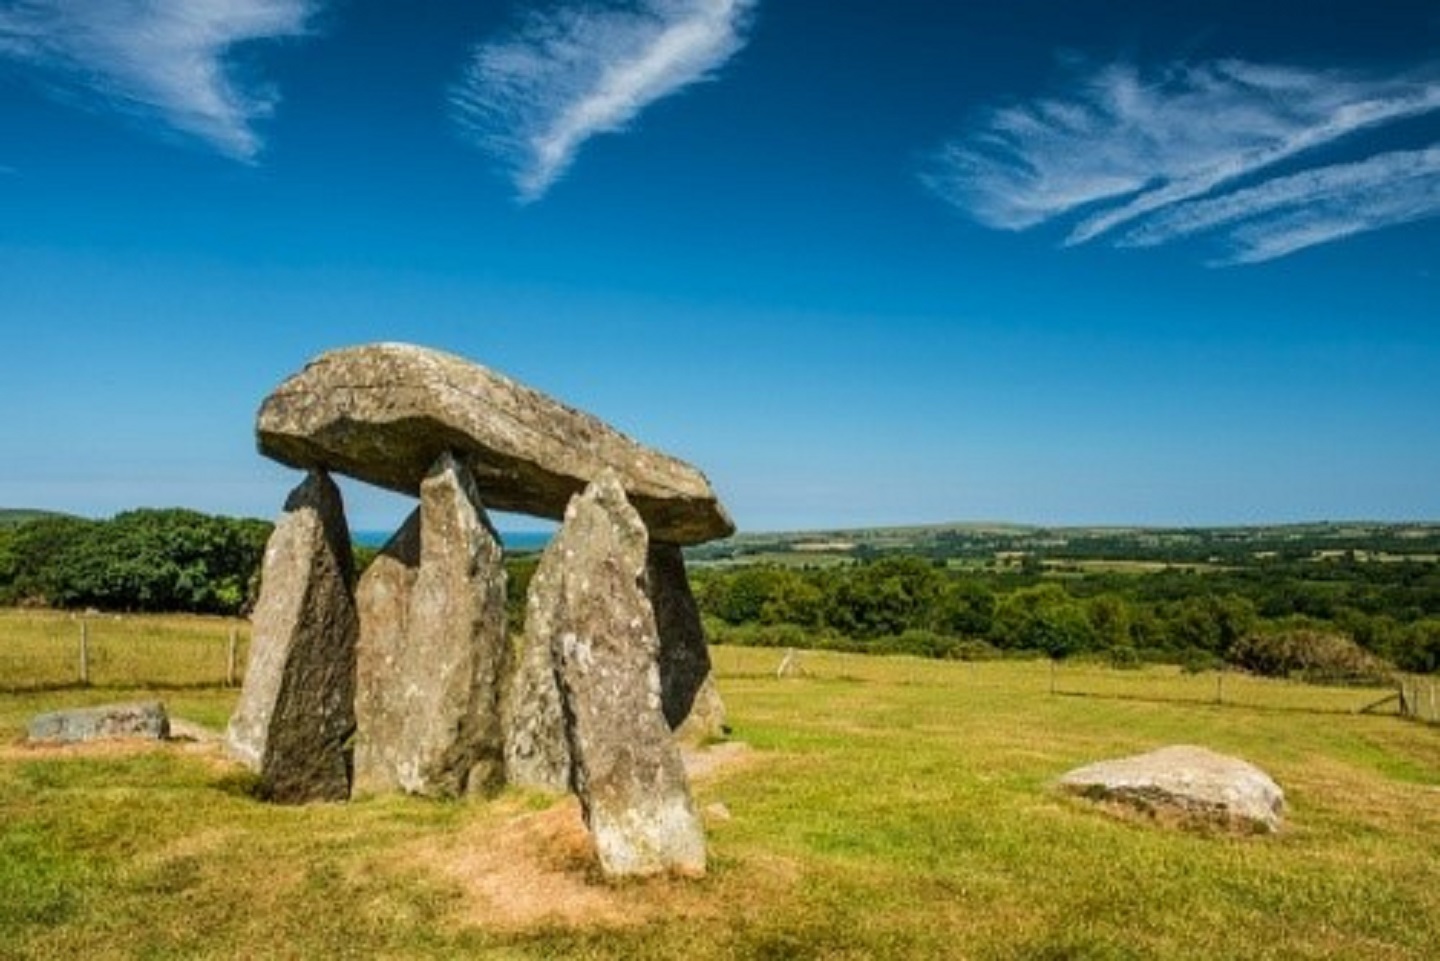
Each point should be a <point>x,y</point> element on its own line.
<point>862,262</point>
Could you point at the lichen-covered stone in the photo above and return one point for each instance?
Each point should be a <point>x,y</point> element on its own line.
<point>626,766</point>
<point>146,720</point>
<point>434,648</point>
<point>1191,782</point>
<point>537,754</point>
<point>384,412</point>
<point>296,712</point>
<point>383,597</point>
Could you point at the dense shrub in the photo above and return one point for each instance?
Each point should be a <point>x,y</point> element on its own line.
<point>1309,653</point>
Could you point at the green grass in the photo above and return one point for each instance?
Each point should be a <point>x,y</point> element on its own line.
<point>41,649</point>
<point>888,808</point>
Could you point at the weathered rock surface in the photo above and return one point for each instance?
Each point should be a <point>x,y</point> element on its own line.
<point>296,711</point>
<point>145,720</point>
<point>383,599</point>
<point>384,412</point>
<point>433,649</point>
<point>1192,782</point>
<point>684,657</point>
<point>626,767</point>
<point>537,753</point>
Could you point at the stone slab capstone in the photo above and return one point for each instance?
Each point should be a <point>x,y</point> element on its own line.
<point>384,412</point>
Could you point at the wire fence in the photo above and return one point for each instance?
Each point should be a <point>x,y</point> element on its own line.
<point>1081,679</point>
<point>48,650</point>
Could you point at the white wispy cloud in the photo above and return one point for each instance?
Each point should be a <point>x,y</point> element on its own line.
<point>1324,203</point>
<point>156,58</point>
<point>1125,148</point>
<point>534,98</point>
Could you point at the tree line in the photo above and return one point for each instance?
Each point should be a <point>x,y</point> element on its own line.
<point>142,560</point>
<point>1343,620</point>
<point>1338,617</point>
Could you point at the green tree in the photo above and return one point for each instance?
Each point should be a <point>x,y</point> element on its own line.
<point>1043,618</point>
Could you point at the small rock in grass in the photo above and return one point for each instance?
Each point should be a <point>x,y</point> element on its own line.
<point>146,720</point>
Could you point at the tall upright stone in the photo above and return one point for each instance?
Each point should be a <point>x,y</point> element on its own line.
<point>688,696</point>
<point>434,649</point>
<point>537,753</point>
<point>383,597</point>
<point>625,766</point>
<point>296,710</point>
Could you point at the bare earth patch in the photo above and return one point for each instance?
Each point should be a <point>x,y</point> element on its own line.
<point>540,868</point>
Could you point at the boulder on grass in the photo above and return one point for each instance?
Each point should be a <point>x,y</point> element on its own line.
<point>1191,783</point>
<point>145,720</point>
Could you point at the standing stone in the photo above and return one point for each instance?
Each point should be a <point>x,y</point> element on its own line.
<point>684,658</point>
<point>537,754</point>
<point>383,597</point>
<point>626,767</point>
<point>296,710</point>
<point>429,718</point>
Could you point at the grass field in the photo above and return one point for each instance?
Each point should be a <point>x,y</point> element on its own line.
<point>881,808</point>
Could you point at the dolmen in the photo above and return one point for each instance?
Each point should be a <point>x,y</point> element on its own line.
<point>406,680</point>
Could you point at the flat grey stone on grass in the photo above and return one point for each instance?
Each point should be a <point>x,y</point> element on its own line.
<point>1191,782</point>
<point>144,720</point>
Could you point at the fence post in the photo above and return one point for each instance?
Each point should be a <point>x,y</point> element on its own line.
<point>230,659</point>
<point>1053,668</point>
<point>84,652</point>
<point>1220,685</point>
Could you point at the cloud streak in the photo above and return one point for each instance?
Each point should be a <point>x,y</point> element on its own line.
<point>1141,151</point>
<point>156,58</point>
<point>534,98</point>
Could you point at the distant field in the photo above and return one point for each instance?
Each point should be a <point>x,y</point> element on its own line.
<point>883,808</point>
<point>43,649</point>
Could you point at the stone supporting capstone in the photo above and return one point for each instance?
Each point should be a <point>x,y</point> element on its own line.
<point>296,711</point>
<point>687,694</point>
<point>537,754</point>
<point>625,766</point>
<point>383,597</point>
<point>433,648</point>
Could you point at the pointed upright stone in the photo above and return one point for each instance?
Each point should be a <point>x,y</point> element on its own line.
<point>383,597</point>
<point>296,710</point>
<point>537,754</point>
<point>626,767</point>
<point>691,703</point>
<point>433,648</point>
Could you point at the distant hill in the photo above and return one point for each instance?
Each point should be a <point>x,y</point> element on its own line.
<point>991,542</point>
<point>15,516</point>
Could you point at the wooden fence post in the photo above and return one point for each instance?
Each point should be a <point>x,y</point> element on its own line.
<point>84,652</point>
<point>1220,686</point>
<point>1053,668</point>
<point>230,658</point>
